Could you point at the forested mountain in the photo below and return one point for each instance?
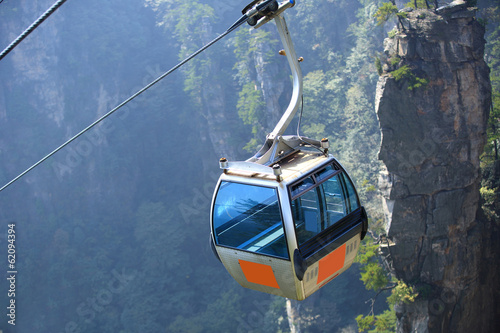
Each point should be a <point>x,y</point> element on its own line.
<point>112,232</point>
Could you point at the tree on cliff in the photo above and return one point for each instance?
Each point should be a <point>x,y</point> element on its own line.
<point>387,11</point>
<point>375,277</point>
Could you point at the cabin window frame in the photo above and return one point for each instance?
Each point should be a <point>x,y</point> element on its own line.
<point>343,178</point>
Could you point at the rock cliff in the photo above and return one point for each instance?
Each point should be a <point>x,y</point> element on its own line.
<point>432,102</point>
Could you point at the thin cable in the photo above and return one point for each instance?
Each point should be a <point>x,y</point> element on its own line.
<point>232,28</point>
<point>298,127</point>
<point>300,116</point>
<point>31,28</point>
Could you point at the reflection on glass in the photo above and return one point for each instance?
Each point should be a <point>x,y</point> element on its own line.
<point>302,186</point>
<point>321,201</point>
<point>351,193</point>
<point>248,217</point>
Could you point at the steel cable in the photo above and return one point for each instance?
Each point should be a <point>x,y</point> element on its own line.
<point>31,28</point>
<point>238,23</point>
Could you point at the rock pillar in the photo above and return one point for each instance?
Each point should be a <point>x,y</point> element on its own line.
<point>432,103</point>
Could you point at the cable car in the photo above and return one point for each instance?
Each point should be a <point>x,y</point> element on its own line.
<point>288,220</point>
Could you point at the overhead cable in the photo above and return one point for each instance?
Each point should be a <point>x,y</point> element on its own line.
<point>31,28</point>
<point>238,23</point>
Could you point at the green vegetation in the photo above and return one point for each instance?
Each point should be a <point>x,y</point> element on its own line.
<point>387,11</point>
<point>134,203</point>
<point>255,53</point>
<point>373,274</point>
<point>376,278</point>
<point>490,160</point>
<point>394,61</point>
<point>251,109</point>
<point>402,293</point>
<point>392,33</point>
<point>417,4</point>
<point>383,323</point>
<point>405,73</point>
<point>493,59</point>
<point>378,66</point>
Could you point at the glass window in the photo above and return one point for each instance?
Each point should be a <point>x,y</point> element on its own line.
<point>351,194</point>
<point>302,186</point>
<point>335,200</point>
<point>307,216</point>
<point>325,173</point>
<point>248,217</point>
<point>322,203</point>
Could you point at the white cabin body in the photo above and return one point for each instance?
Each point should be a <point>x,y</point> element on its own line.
<point>287,235</point>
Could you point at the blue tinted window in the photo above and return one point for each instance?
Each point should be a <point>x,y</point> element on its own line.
<point>319,202</point>
<point>302,186</point>
<point>336,206</point>
<point>319,208</point>
<point>325,173</point>
<point>307,216</point>
<point>351,194</point>
<point>248,217</point>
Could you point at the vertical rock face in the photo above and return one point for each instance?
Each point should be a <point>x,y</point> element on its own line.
<point>432,136</point>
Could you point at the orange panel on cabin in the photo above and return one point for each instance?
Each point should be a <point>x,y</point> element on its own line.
<point>259,273</point>
<point>331,263</point>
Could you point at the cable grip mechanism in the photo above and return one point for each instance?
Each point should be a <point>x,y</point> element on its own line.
<point>260,12</point>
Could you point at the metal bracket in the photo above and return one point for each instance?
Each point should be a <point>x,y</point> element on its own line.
<point>277,146</point>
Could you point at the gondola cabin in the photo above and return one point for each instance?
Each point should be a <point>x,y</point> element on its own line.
<point>287,232</point>
<point>287,220</point>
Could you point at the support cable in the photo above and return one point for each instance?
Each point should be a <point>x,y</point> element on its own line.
<point>31,28</point>
<point>301,138</point>
<point>238,23</point>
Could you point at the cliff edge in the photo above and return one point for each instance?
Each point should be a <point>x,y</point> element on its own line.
<point>432,103</point>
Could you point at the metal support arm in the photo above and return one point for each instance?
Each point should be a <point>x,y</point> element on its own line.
<point>290,112</point>
<point>276,146</point>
